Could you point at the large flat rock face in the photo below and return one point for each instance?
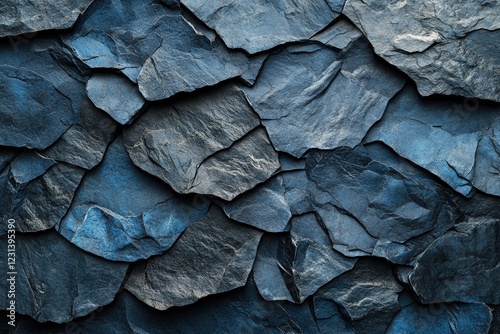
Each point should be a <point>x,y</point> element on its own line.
<point>446,48</point>
<point>266,166</point>
<point>263,24</point>
<point>214,255</point>
<point>21,17</point>
<point>208,144</point>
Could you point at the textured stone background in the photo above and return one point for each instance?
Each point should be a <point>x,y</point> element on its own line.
<point>267,166</point>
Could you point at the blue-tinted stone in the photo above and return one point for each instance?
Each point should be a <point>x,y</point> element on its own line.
<point>123,214</point>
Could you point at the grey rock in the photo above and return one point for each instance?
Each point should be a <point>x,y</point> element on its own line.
<point>116,95</point>
<point>495,323</point>
<point>264,207</point>
<point>36,191</point>
<point>293,267</point>
<point>29,105</point>
<point>121,213</point>
<point>339,35</point>
<point>213,255</point>
<point>370,207</point>
<point>65,283</point>
<point>442,318</point>
<point>338,98</point>
<point>239,311</point>
<point>279,22</point>
<point>461,266</point>
<point>367,295</point>
<point>85,142</point>
<point>21,17</point>
<point>453,138</point>
<point>204,144</point>
<point>43,91</point>
<point>446,49</point>
<point>120,34</point>
<point>329,316</point>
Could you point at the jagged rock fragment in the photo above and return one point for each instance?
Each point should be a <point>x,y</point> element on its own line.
<point>293,267</point>
<point>213,255</point>
<point>123,214</point>
<point>367,295</point>
<point>21,17</point>
<point>116,95</point>
<point>85,142</point>
<point>338,97</point>
<point>372,205</point>
<point>56,281</point>
<point>261,24</point>
<point>453,138</point>
<point>36,191</point>
<point>446,48</point>
<point>461,266</point>
<point>208,143</point>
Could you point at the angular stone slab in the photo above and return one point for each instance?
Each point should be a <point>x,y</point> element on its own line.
<point>116,95</point>
<point>453,138</point>
<point>369,206</point>
<point>442,318</point>
<point>261,24</point>
<point>65,283</point>
<point>123,214</point>
<point>446,49</point>
<point>204,144</point>
<point>461,266</point>
<point>36,191</point>
<point>335,102</point>
<point>367,295</point>
<point>213,255</point>
<point>293,267</point>
<point>21,17</point>
<point>85,142</point>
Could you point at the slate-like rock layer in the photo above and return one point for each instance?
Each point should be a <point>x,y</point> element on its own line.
<point>213,255</point>
<point>455,139</point>
<point>310,96</point>
<point>262,24</point>
<point>463,265</point>
<point>204,144</point>
<point>21,17</point>
<point>56,281</point>
<point>446,48</point>
<point>121,213</point>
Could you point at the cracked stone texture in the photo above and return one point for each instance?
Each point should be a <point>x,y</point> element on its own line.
<point>453,138</point>
<point>463,265</point>
<point>213,255</point>
<point>36,191</point>
<point>85,142</point>
<point>293,267</point>
<point>65,283</point>
<point>23,16</point>
<point>442,318</point>
<point>367,295</point>
<point>446,48</point>
<point>219,149</point>
<point>338,98</point>
<point>42,92</point>
<point>279,22</point>
<point>239,311</point>
<point>116,95</point>
<point>370,205</point>
<point>121,213</point>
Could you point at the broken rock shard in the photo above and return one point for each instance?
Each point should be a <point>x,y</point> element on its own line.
<point>446,49</point>
<point>213,255</point>
<point>207,144</point>
<point>21,17</point>
<point>121,213</point>
<point>261,24</point>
